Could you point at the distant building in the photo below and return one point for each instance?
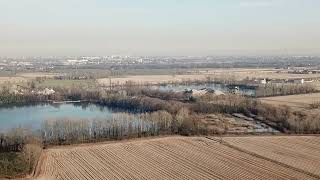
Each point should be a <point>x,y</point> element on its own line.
<point>298,81</point>
<point>46,91</point>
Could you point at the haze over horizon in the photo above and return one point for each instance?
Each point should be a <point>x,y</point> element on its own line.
<point>159,27</point>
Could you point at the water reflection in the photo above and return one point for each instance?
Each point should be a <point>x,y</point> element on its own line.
<point>32,115</point>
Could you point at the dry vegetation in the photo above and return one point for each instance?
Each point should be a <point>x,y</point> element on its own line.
<point>181,158</point>
<point>222,123</point>
<point>19,153</point>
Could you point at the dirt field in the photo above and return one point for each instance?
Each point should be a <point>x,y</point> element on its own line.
<point>37,74</point>
<point>151,79</point>
<point>13,80</point>
<point>182,158</point>
<point>300,102</point>
<point>52,83</point>
<point>24,77</point>
<point>299,152</point>
<point>237,74</point>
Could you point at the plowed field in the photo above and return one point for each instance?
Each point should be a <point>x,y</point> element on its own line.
<point>300,101</point>
<point>299,152</point>
<point>181,158</point>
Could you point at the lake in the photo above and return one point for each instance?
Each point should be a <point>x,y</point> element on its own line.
<point>32,116</point>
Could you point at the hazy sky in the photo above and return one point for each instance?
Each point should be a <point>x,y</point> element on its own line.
<point>159,27</point>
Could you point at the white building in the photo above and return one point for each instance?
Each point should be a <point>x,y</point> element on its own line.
<point>298,81</point>
<point>46,91</point>
<point>263,81</point>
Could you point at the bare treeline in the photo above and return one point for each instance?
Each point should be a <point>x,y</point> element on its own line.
<point>119,126</point>
<point>284,89</point>
<point>13,140</point>
<point>8,97</point>
<point>141,103</point>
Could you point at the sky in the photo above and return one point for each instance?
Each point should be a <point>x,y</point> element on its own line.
<point>159,27</point>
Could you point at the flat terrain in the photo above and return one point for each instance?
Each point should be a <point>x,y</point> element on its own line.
<point>232,73</point>
<point>300,102</point>
<point>185,158</point>
<point>24,77</point>
<point>154,76</point>
<point>37,74</point>
<point>66,83</point>
<point>151,79</point>
<point>13,79</point>
<point>298,152</point>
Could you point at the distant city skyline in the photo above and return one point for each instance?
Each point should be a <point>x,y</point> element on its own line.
<point>159,27</point>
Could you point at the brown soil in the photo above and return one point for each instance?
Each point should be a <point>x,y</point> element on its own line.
<point>185,158</point>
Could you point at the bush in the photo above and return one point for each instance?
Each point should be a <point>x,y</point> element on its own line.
<point>19,164</point>
<point>315,105</point>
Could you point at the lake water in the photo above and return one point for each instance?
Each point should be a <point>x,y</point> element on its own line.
<point>32,116</point>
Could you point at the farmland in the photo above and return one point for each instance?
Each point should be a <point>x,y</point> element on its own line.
<point>301,102</point>
<point>304,150</point>
<point>147,112</point>
<point>184,158</point>
<point>202,74</point>
<point>153,76</point>
<point>13,79</point>
<point>52,83</point>
<point>23,77</point>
